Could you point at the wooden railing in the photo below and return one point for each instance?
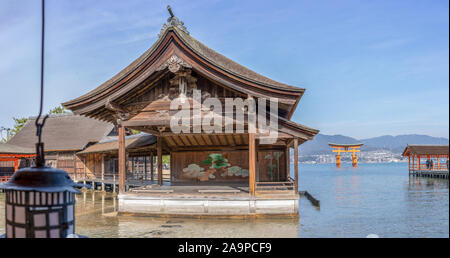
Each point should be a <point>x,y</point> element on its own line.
<point>435,167</point>
<point>4,179</point>
<point>275,187</point>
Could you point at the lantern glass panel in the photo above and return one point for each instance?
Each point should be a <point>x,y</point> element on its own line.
<point>40,234</point>
<point>69,212</point>
<point>9,231</point>
<point>54,233</point>
<point>31,198</point>
<point>19,213</point>
<point>55,198</point>
<point>61,198</point>
<point>39,220</point>
<point>20,232</point>
<point>9,212</point>
<point>54,219</point>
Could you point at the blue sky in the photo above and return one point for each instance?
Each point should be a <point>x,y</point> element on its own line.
<point>370,68</point>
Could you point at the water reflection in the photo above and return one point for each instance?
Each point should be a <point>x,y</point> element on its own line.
<point>97,218</point>
<point>373,199</point>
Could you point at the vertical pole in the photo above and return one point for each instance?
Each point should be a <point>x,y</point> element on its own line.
<point>288,162</point>
<point>296,163</point>
<point>114,183</point>
<point>103,172</point>
<point>409,163</point>
<point>418,162</point>
<point>438,162</point>
<point>152,159</point>
<point>84,170</point>
<point>145,168</point>
<point>251,162</point>
<point>338,157</point>
<point>16,164</point>
<point>159,150</point>
<point>74,167</point>
<point>121,159</point>
<point>133,167</point>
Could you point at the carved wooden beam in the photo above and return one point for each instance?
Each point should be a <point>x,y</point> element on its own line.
<point>120,113</point>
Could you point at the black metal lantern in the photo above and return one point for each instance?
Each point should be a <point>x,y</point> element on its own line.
<point>40,203</point>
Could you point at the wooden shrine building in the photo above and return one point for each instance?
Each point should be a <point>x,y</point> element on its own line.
<point>64,135</point>
<point>215,173</point>
<point>352,148</point>
<point>426,158</point>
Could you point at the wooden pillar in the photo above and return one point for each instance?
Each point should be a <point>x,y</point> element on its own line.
<point>16,164</point>
<point>296,163</point>
<point>122,166</point>
<point>251,163</point>
<point>84,170</point>
<point>127,166</point>
<point>145,167</point>
<point>160,167</point>
<point>74,167</point>
<point>418,162</point>
<point>103,172</point>
<point>288,162</point>
<point>338,157</point>
<point>409,163</point>
<point>438,162</point>
<point>152,158</point>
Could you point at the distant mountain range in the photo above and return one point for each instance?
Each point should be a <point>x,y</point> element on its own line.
<point>395,144</point>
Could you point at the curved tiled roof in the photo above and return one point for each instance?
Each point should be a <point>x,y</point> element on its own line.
<point>63,132</point>
<point>211,56</point>
<point>6,148</point>
<point>131,142</point>
<point>426,150</point>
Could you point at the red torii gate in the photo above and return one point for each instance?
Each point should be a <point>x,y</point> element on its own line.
<point>353,148</point>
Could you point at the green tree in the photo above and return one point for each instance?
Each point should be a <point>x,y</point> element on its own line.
<point>18,124</point>
<point>58,110</point>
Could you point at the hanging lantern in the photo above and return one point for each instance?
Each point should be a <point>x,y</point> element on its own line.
<point>40,203</point>
<point>40,200</point>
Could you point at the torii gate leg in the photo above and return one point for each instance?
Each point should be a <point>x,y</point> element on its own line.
<point>354,160</point>
<point>338,158</point>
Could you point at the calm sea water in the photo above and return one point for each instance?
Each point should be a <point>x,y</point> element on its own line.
<point>372,199</point>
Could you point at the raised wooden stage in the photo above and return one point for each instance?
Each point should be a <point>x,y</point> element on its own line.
<point>207,200</point>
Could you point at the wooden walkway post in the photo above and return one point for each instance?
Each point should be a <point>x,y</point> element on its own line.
<point>160,167</point>
<point>152,164</point>
<point>288,162</point>
<point>251,162</point>
<point>84,171</point>
<point>121,159</point>
<point>409,164</point>
<point>296,163</point>
<point>74,167</point>
<point>145,167</point>
<point>103,173</point>
<point>114,183</point>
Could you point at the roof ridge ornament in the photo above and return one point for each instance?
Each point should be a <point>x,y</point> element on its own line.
<point>174,63</point>
<point>172,21</point>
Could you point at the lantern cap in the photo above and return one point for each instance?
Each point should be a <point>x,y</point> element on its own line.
<point>41,179</point>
